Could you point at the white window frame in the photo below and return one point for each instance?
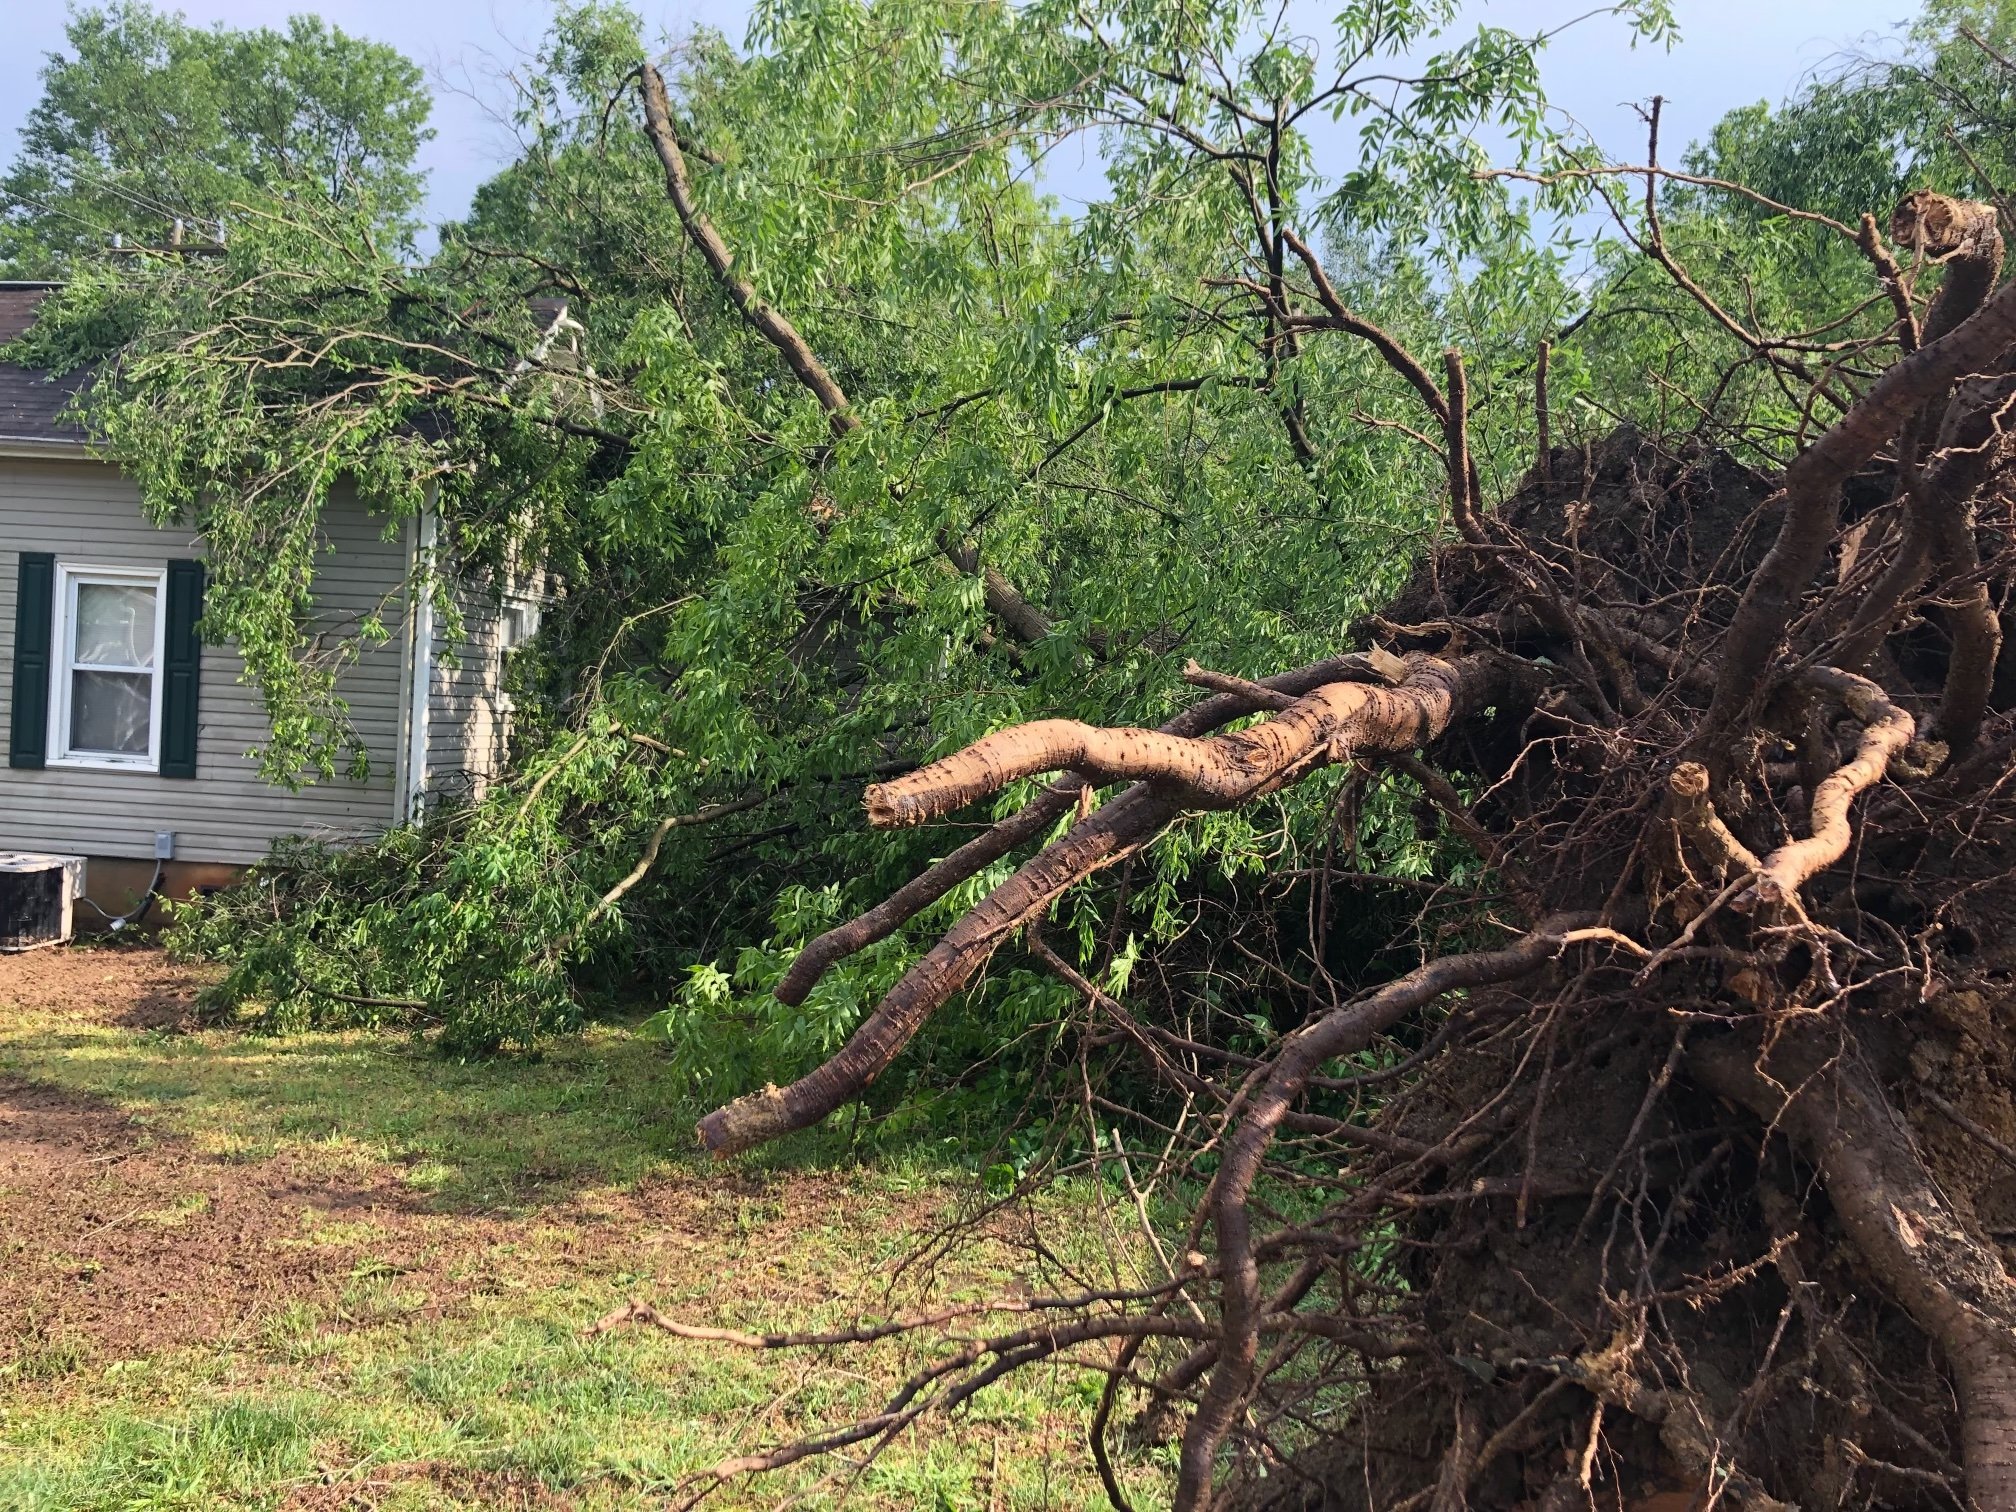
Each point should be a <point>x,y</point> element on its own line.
<point>63,666</point>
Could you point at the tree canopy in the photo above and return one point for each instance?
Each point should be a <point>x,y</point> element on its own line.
<point>146,120</point>
<point>1058,458</point>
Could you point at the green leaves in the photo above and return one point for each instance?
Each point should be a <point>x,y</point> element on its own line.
<point>1935,113</point>
<point>147,119</point>
<point>1105,409</point>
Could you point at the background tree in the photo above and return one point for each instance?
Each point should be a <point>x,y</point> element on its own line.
<point>1937,108</point>
<point>147,120</point>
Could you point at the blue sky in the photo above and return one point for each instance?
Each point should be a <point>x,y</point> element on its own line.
<point>1732,52</point>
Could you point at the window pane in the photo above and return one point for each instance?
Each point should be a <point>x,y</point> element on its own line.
<point>110,711</point>
<point>115,625</point>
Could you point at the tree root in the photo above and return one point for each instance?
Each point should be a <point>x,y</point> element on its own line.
<point>1902,1225</point>
<point>1887,730</point>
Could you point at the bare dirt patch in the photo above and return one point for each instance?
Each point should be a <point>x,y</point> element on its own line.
<point>132,1242</point>
<point>498,1490</point>
<point>120,1238</point>
<point>117,1236</point>
<point>134,988</point>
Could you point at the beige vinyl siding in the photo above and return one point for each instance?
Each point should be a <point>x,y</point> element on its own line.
<point>467,713</point>
<point>86,513</point>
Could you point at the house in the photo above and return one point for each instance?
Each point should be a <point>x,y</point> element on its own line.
<point>127,737</point>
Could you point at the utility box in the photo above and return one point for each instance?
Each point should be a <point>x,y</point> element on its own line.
<point>37,894</point>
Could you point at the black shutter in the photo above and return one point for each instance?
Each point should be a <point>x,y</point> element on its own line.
<point>34,629</point>
<point>182,669</point>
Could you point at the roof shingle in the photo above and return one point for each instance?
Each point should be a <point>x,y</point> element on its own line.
<point>32,401</point>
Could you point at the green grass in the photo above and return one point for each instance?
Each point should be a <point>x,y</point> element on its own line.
<point>443,1366</point>
<point>474,1135</point>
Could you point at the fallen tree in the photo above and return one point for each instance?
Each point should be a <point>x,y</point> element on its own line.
<point>1660,1149</point>
<point>1688,1167</point>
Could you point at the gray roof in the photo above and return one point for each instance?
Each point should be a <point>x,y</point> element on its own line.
<point>32,401</point>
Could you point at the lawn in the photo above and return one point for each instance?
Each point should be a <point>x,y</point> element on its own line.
<point>339,1271</point>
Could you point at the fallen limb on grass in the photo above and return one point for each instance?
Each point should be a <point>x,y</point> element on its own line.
<point>1326,725</point>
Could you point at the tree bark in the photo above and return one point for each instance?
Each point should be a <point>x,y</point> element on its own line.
<point>1326,725</point>
<point>1820,1092</point>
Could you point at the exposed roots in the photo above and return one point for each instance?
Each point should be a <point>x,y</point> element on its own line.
<point>1677,1156</point>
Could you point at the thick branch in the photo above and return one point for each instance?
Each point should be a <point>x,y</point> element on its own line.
<point>774,328</point>
<point>1327,725</point>
<point>1694,812</point>
<point>1870,240</point>
<point>1965,237</point>
<point>1006,602</point>
<point>1900,1223</point>
<point>1812,492</point>
<point>1109,834</point>
<point>1226,770</point>
<point>1949,515</point>
<point>1456,452</point>
<point>1939,527</point>
<point>976,855</point>
<point>1342,317</point>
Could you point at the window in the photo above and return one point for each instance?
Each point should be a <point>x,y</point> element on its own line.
<point>106,705</point>
<point>520,621</point>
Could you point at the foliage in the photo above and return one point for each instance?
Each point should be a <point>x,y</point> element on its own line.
<point>1936,110</point>
<point>242,391</point>
<point>147,120</point>
<point>758,616</point>
<point>1929,112</point>
<point>315,934</point>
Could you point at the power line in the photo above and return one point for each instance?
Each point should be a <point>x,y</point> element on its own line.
<point>22,199</point>
<point>137,200</point>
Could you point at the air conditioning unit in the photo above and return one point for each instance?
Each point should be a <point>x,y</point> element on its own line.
<point>36,894</point>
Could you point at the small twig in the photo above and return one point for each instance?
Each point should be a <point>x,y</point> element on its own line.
<point>1542,430</point>
<point>649,859</point>
<point>1147,1224</point>
<point>1226,682</point>
<point>112,1223</point>
<point>408,1005</point>
<point>1715,904</point>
